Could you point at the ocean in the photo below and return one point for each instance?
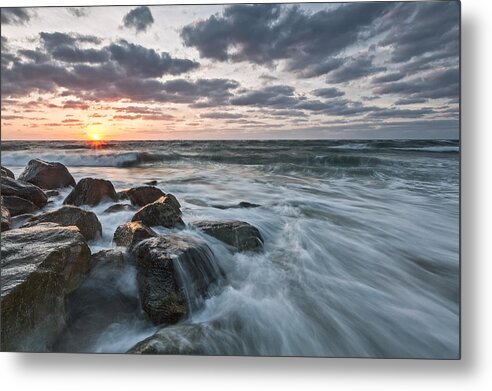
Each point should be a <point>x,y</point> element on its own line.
<point>361,255</point>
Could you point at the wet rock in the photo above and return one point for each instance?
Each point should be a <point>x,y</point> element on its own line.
<point>36,279</point>
<point>130,234</point>
<point>52,193</point>
<point>91,191</point>
<point>18,221</point>
<point>28,191</point>
<point>5,172</point>
<point>161,212</point>
<point>174,274</point>
<point>238,234</point>
<point>18,206</point>
<point>119,208</point>
<point>111,258</point>
<point>245,204</point>
<point>144,195</point>
<point>197,339</point>
<point>151,183</point>
<point>6,222</point>
<point>86,221</point>
<point>122,195</point>
<point>47,175</point>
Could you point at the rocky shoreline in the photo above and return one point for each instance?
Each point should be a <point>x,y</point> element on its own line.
<point>46,262</point>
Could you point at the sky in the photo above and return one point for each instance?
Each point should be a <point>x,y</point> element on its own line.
<point>258,71</point>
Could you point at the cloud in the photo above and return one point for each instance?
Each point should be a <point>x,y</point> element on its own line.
<point>328,92</point>
<point>354,68</point>
<point>440,83</point>
<point>139,18</point>
<point>265,33</point>
<point>139,61</point>
<point>78,12</point>
<point>76,55</point>
<point>52,41</point>
<point>421,28</point>
<point>221,115</point>
<point>410,101</point>
<point>15,15</point>
<point>273,96</point>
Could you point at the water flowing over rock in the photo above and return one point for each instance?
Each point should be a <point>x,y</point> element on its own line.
<point>144,195</point>
<point>107,297</point>
<point>86,221</point>
<point>174,274</point>
<point>130,234</point>
<point>6,221</point>
<point>161,212</point>
<point>19,206</point>
<point>119,208</point>
<point>36,279</point>
<point>5,172</point>
<point>28,191</point>
<point>47,175</point>
<point>91,191</point>
<point>238,234</point>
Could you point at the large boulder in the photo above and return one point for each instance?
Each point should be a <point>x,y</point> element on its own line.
<point>86,221</point>
<point>5,172</point>
<point>19,206</point>
<point>47,175</point>
<point>41,265</point>
<point>174,274</point>
<point>28,191</point>
<point>144,195</point>
<point>238,234</point>
<point>91,191</point>
<point>161,212</point>
<point>6,221</point>
<point>130,234</point>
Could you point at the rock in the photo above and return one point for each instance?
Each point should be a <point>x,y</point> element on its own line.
<point>67,216</point>
<point>173,201</point>
<point>18,221</point>
<point>18,206</point>
<point>161,212</point>
<point>119,208</point>
<point>47,175</point>
<point>245,204</point>
<point>122,195</point>
<point>90,191</point>
<point>144,195</point>
<point>174,274</point>
<point>110,257</point>
<point>36,279</point>
<point>52,193</point>
<point>196,339</point>
<point>238,234</point>
<point>7,173</point>
<point>130,234</point>
<point>6,222</point>
<point>28,191</point>
<point>151,183</point>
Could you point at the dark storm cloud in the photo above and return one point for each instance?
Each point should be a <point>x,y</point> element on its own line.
<point>15,15</point>
<point>264,33</point>
<point>34,55</point>
<point>142,62</point>
<point>354,69</point>
<point>139,18</point>
<point>328,92</point>
<point>273,96</point>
